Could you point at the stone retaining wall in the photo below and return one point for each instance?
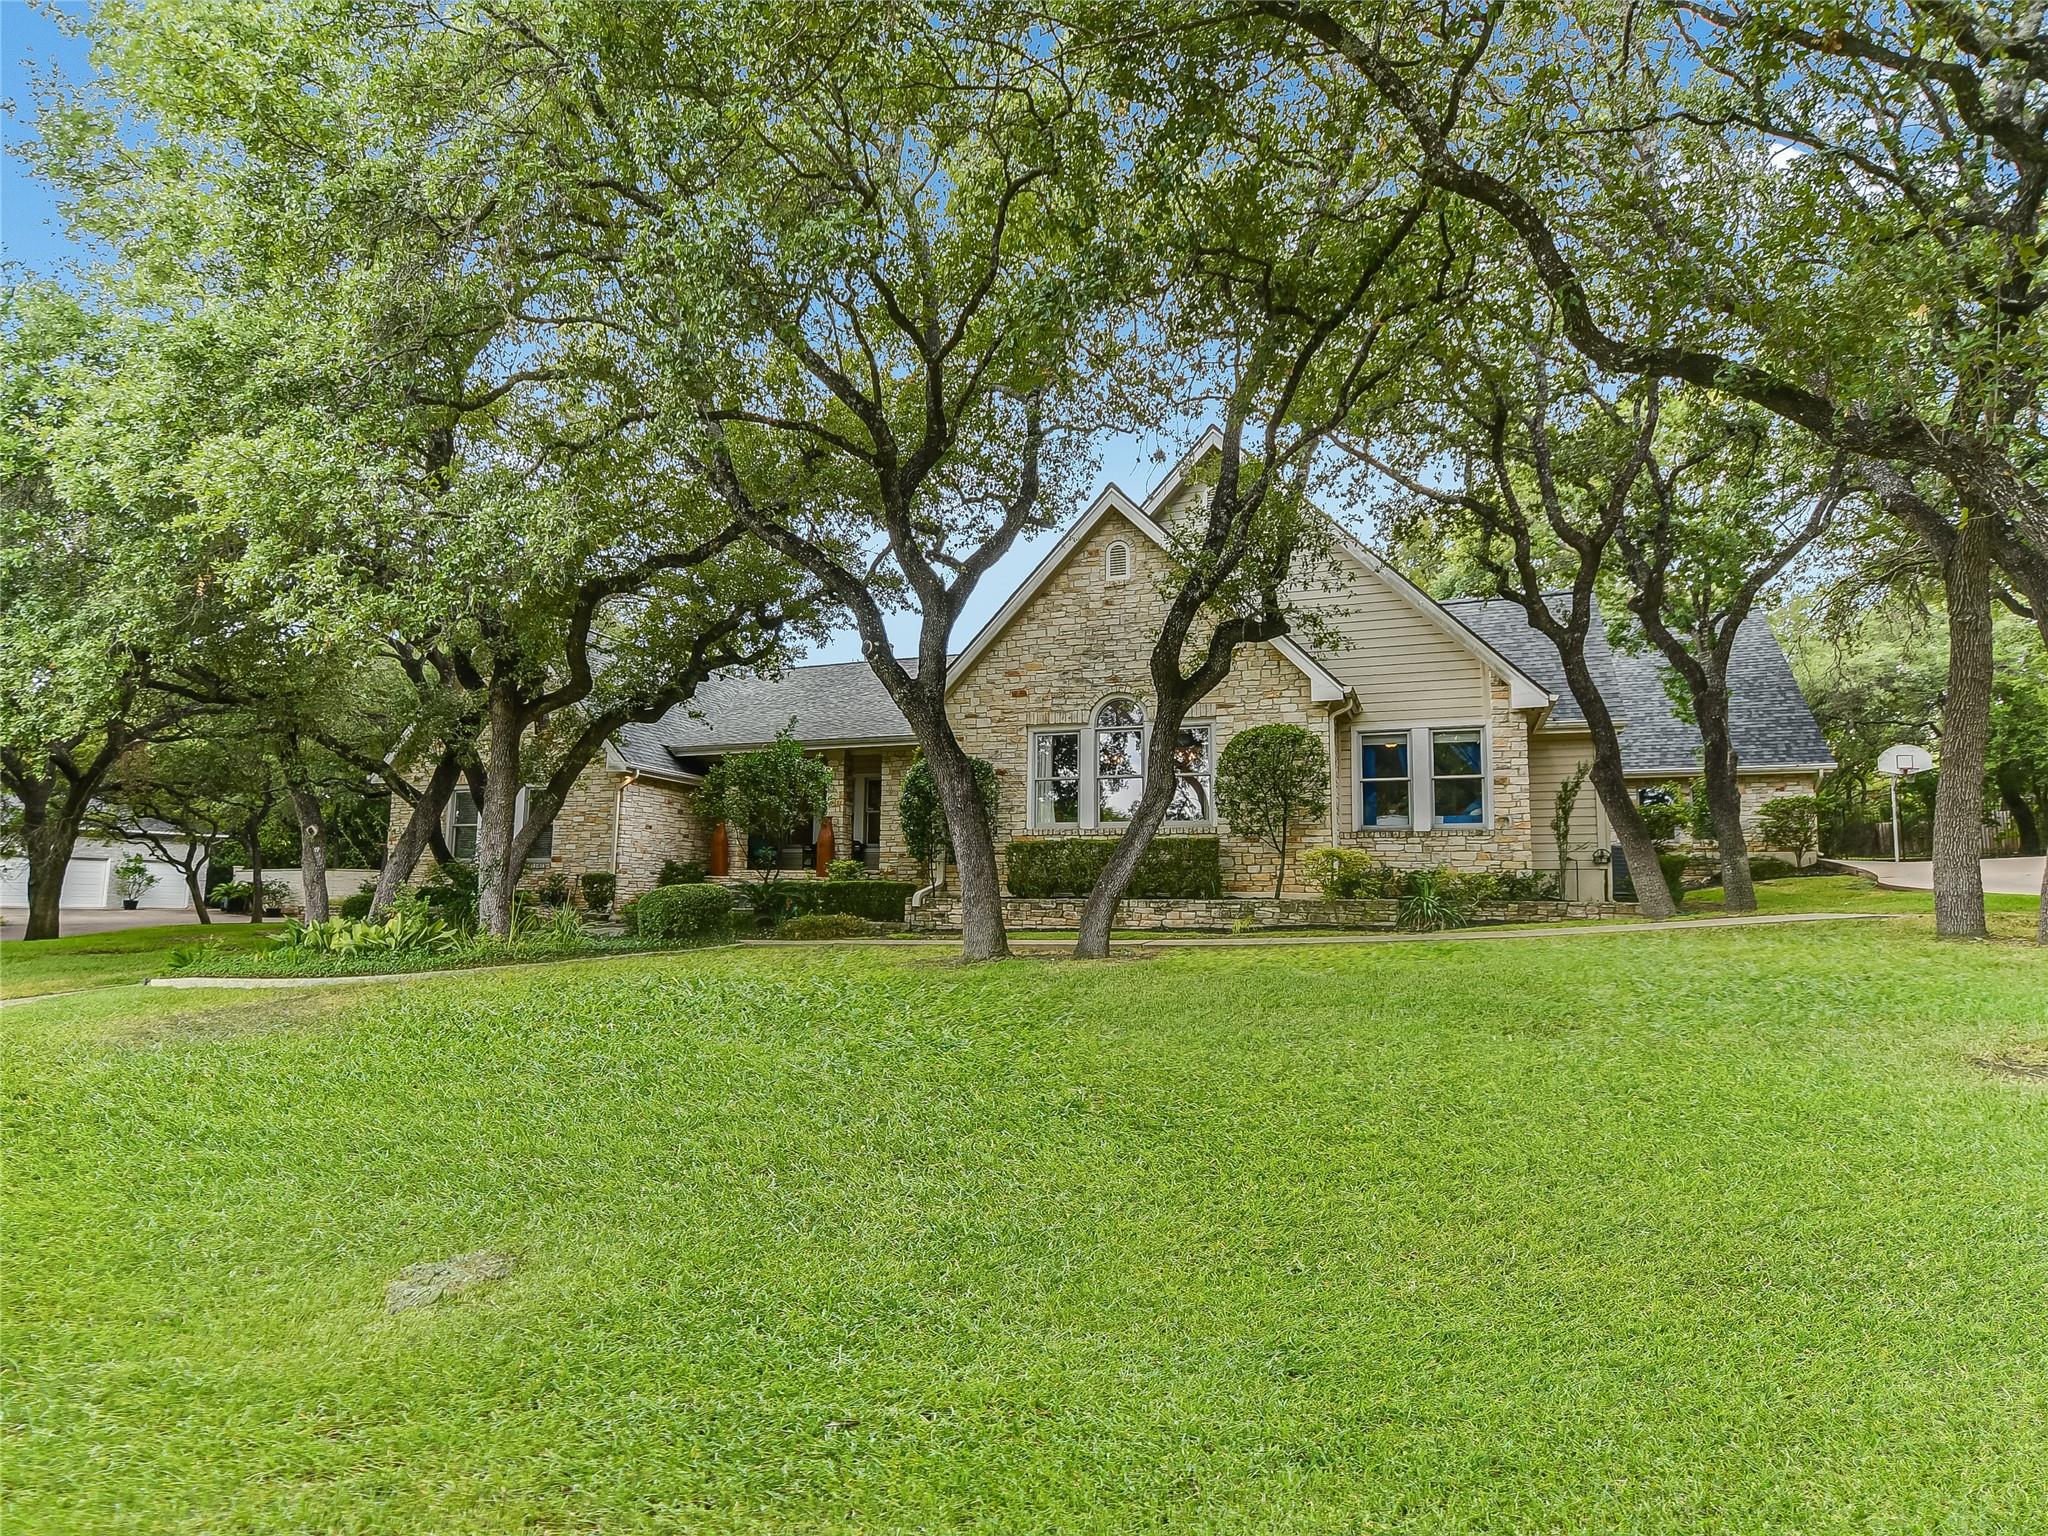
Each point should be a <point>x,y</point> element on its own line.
<point>941,911</point>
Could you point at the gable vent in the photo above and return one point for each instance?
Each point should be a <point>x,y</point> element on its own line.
<point>1116,562</point>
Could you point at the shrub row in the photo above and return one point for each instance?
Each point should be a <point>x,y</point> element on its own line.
<point>1352,874</point>
<point>1174,867</point>
<point>881,901</point>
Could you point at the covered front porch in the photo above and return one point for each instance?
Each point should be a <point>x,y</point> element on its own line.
<point>861,822</point>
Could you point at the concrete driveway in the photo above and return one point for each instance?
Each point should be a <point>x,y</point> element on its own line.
<point>2010,877</point>
<point>76,920</point>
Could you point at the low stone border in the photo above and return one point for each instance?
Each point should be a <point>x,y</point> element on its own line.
<point>941,911</point>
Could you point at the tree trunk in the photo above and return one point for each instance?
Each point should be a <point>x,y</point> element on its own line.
<point>252,843</point>
<point>198,896</point>
<point>422,823</point>
<point>1724,800</point>
<point>1098,913</point>
<point>312,852</point>
<point>2014,794</point>
<point>1965,727</point>
<point>1610,783</point>
<point>496,816</point>
<point>49,855</point>
<point>983,935</point>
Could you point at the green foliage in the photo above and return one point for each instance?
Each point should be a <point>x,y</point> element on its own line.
<point>552,889</point>
<point>846,869</point>
<point>923,819</point>
<point>400,933</point>
<point>1561,812</point>
<point>356,904</point>
<point>824,925</point>
<point>1663,820</point>
<point>1344,874</point>
<point>1672,866</point>
<point>767,790</point>
<point>880,901</point>
<point>1789,824</point>
<point>1185,867</point>
<point>1767,868</point>
<point>133,877</point>
<point>599,886</point>
<point>1432,900</point>
<point>680,872</point>
<point>675,912</point>
<point>1271,780</point>
<point>449,893</point>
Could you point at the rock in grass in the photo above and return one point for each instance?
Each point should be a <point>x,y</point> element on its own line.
<point>420,1285</point>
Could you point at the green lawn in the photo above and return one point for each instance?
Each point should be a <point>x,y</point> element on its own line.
<point>1708,1230</point>
<point>112,959</point>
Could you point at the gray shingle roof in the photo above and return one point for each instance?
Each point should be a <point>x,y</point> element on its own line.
<point>844,703</point>
<point>837,702</point>
<point>1772,725</point>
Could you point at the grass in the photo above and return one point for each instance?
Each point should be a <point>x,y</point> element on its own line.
<point>1690,1230</point>
<point>468,953</point>
<point>113,959</point>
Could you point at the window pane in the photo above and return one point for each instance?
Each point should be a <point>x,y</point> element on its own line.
<point>1455,752</point>
<point>1383,757</point>
<point>1385,803</point>
<point>1460,802</point>
<point>1120,712</point>
<point>1191,750</point>
<point>1190,800</point>
<point>1116,799</point>
<point>1059,755</point>
<point>462,824</point>
<point>1057,804</point>
<point>1118,753</point>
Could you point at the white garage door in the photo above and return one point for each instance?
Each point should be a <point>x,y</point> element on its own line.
<point>85,883</point>
<point>169,890</point>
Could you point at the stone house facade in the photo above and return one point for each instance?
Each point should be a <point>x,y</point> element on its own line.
<point>1447,726</point>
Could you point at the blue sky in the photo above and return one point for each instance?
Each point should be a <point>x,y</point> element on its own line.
<point>32,230</point>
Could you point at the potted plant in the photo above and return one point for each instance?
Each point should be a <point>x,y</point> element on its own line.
<point>133,880</point>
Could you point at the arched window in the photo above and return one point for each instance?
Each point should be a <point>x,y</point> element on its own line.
<point>1116,562</point>
<point>1119,759</point>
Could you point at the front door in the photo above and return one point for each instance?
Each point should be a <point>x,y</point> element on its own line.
<point>871,822</point>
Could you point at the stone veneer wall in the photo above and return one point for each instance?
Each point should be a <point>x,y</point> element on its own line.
<point>1758,790</point>
<point>1510,843</point>
<point>1083,639</point>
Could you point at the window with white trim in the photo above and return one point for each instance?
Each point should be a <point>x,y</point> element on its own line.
<point>1457,767</point>
<point>1383,799</point>
<point>1095,777</point>
<point>1116,562</point>
<point>461,827</point>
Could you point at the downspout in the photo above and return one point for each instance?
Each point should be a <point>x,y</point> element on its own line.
<point>1344,709</point>
<point>618,827</point>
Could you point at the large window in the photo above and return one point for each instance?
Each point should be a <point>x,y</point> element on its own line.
<point>462,823</point>
<point>1458,768</point>
<point>1095,777</point>
<point>1383,780</point>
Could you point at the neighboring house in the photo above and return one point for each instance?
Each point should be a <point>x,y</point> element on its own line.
<point>1448,725</point>
<point>89,877</point>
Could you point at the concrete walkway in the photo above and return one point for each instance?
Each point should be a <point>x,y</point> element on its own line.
<point>2005,877</point>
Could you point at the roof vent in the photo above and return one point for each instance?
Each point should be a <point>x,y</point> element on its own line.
<point>1116,562</point>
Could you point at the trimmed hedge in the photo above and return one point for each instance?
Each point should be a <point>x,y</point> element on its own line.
<point>683,912</point>
<point>356,905</point>
<point>825,925</point>
<point>880,901</point>
<point>680,872</point>
<point>1173,867</point>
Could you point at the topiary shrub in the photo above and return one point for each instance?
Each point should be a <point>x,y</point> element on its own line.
<point>846,869</point>
<point>1271,781</point>
<point>825,925</point>
<point>599,886</point>
<point>672,912</point>
<point>1173,867</point>
<point>356,905</point>
<point>1672,867</point>
<point>1790,824</point>
<point>680,872</point>
<point>1341,873</point>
